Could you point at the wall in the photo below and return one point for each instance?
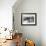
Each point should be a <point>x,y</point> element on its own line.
<point>29,32</point>
<point>43,22</point>
<point>6,13</point>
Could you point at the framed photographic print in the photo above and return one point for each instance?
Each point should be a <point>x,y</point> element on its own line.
<point>28,19</point>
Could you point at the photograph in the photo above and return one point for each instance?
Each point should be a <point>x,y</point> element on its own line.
<point>28,18</point>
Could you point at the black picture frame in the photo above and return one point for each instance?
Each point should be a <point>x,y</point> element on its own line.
<point>29,19</point>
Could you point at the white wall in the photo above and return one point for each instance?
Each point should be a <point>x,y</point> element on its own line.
<point>43,22</point>
<point>6,13</point>
<point>31,32</point>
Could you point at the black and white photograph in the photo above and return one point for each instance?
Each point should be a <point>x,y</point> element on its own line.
<point>28,18</point>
